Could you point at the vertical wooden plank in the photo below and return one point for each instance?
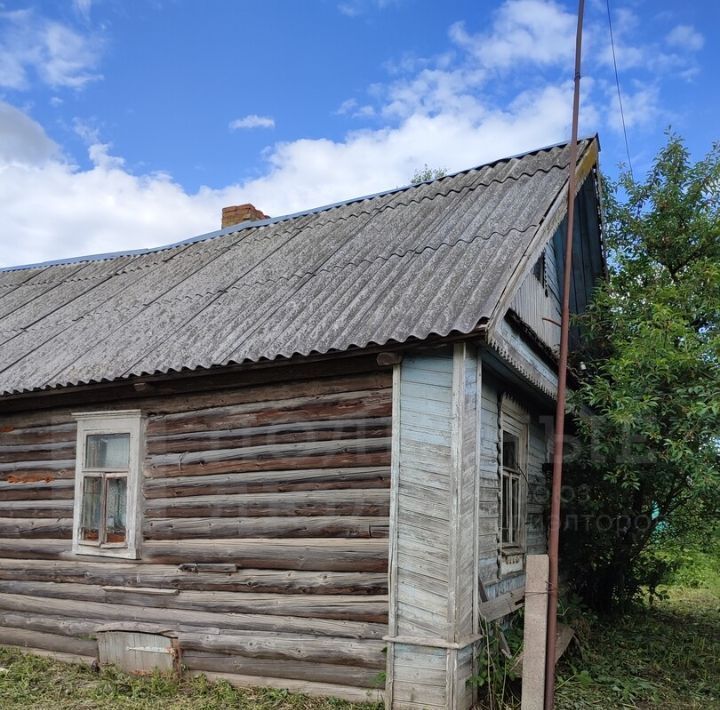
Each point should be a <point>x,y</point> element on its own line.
<point>393,533</point>
<point>534,636</point>
<point>478,589</point>
<point>458,397</point>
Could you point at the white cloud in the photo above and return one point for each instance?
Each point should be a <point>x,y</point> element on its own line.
<point>652,57</point>
<point>351,107</point>
<point>641,107</point>
<point>83,7</point>
<point>23,140</point>
<point>685,37</point>
<point>54,209</point>
<point>355,8</point>
<point>528,31</point>
<point>252,121</point>
<point>33,47</point>
<point>455,110</point>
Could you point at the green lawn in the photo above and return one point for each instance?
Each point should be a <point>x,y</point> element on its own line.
<point>666,657</point>
<point>31,682</point>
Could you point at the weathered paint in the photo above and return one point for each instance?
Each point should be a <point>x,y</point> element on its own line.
<point>433,531</point>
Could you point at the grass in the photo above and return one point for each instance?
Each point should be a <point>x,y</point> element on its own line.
<point>665,656</point>
<point>31,682</point>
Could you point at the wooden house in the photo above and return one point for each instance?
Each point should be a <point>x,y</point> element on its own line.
<point>303,452</point>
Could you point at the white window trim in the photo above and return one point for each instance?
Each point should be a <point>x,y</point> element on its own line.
<point>120,422</point>
<point>515,420</point>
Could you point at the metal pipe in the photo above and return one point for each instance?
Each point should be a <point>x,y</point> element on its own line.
<point>553,542</point>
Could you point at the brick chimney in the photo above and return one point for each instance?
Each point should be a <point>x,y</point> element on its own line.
<point>241,213</point>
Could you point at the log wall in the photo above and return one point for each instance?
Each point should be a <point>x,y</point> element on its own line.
<point>264,543</point>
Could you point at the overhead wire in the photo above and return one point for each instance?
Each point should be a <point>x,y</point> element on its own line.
<point>619,93</point>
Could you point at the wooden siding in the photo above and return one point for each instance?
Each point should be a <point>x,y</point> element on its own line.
<point>424,504</point>
<point>539,304</point>
<point>264,538</point>
<point>433,559</point>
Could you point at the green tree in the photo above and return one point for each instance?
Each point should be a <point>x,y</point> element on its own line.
<point>647,461</point>
<point>427,174</point>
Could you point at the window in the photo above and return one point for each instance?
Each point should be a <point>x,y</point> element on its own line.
<point>513,483</point>
<point>107,483</point>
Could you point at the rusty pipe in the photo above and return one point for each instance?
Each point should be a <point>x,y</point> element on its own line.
<point>559,435</point>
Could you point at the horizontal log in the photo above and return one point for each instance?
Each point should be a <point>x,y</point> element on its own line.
<point>48,642</point>
<point>61,626</point>
<point>296,670</point>
<point>285,409</point>
<point>349,421</point>
<point>240,453</point>
<point>48,468</point>
<point>323,454</point>
<point>309,606</point>
<point>375,503</point>
<point>322,555</point>
<point>362,653</point>
<point>345,459</point>
<point>138,574</point>
<point>37,490</point>
<point>251,644</point>
<point>62,432</point>
<point>191,391</point>
<point>201,620</point>
<point>268,482</point>
<point>57,528</point>
<point>306,382</point>
<point>331,555</point>
<point>272,527</point>
<point>303,687</point>
<point>41,548</point>
<point>36,508</point>
<point>40,452</point>
<point>313,606</point>
<point>324,430</point>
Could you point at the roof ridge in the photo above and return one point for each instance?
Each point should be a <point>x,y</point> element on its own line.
<point>274,220</point>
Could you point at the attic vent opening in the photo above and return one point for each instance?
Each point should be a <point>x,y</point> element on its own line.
<point>236,214</point>
<point>540,272</point>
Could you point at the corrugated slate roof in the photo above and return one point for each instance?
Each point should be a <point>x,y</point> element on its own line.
<point>424,260</point>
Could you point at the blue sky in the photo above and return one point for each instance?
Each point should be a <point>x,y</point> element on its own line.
<point>130,124</point>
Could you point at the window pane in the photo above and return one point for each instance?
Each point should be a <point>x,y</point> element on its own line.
<point>107,451</point>
<point>116,509</point>
<point>509,450</point>
<point>90,514</point>
<point>516,510</point>
<point>505,523</point>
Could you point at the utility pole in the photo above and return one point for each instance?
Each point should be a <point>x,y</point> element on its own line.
<point>553,543</point>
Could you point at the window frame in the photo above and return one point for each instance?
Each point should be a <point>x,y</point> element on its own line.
<point>516,422</point>
<point>129,422</point>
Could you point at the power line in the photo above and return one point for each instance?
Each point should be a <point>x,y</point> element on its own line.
<point>617,83</point>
